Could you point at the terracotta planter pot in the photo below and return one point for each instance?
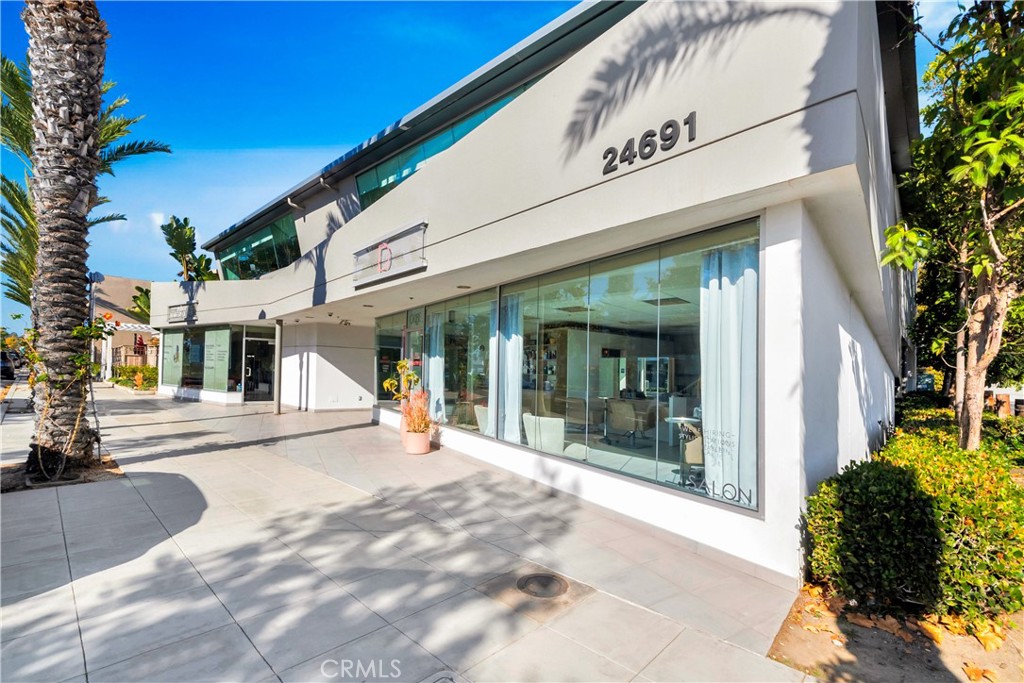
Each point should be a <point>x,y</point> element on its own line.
<point>417,443</point>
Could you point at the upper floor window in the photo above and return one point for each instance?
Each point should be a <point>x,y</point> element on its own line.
<point>386,176</point>
<point>268,249</point>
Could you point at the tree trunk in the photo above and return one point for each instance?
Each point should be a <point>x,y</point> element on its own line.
<point>960,379</point>
<point>984,337</point>
<point>67,46</point>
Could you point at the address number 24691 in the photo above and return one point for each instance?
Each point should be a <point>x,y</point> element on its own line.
<point>650,142</point>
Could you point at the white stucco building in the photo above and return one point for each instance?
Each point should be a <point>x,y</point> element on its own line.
<point>635,257</point>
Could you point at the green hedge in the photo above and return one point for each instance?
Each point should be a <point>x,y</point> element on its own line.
<point>923,527</point>
<point>125,375</point>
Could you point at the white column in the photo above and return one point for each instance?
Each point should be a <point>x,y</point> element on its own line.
<point>278,343</point>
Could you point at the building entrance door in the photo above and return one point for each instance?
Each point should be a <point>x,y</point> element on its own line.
<point>259,370</point>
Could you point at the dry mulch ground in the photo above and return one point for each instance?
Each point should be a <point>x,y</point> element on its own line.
<point>12,477</point>
<point>819,639</point>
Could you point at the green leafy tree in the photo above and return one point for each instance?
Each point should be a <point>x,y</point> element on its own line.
<point>966,194</point>
<point>140,304</point>
<point>18,258</point>
<point>180,236</point>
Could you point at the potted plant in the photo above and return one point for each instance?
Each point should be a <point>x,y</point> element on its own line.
<point>400,384</point>
<point>416,414</point>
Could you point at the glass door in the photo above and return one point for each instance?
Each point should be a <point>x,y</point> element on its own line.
<point>259,370</point>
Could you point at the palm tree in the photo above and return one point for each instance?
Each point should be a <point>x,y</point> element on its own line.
<point>67,46</point>
<point>16,135</point>
<point>140,309</point>
<point>180,236</point>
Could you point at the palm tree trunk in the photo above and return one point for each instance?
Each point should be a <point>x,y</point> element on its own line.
<point>67,48</point>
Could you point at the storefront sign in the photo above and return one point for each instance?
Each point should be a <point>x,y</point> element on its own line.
<point>182,313</point>
<point>650,143</point>
<point>395,255</point>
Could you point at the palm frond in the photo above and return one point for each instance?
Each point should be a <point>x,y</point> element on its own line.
<point>108,218</point>
<point>16,117</point>
<point>20,241</point>
<point>109,110</point>
<point>111,155</point>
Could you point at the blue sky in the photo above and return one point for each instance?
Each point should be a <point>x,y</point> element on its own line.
<point>255,96</point>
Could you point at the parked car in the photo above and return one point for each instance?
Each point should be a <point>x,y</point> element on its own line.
<point>16,358</point>
<point>6,366</point>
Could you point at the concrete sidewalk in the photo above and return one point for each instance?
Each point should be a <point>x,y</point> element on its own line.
<point>247,546</point>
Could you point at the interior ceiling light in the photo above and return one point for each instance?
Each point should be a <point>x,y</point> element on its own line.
<point>574,309</point>
<point>666,301</point>
<point>463,287</point>
<point>367,305</point>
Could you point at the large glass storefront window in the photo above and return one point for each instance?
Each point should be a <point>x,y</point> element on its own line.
<point>644,364</point>
<point>457,359</point>
<point>171,352</point>
<point>229,359</point>
<point>389,350</point>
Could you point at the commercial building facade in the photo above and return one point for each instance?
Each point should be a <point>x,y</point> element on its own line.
<point>634,258</point>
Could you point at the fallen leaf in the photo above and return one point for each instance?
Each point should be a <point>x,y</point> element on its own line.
<point>932,631</point>
<point>859,620</point>
<point>814,591</point>
<point>811,628</point>
<point>973,672</point>
<point>990,675</point>
<point>989,640</point>
<point>888,624</point>
<point>954,624</point>
<point>837,642</point>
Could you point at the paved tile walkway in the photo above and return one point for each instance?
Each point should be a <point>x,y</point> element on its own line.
<point>247,546</point>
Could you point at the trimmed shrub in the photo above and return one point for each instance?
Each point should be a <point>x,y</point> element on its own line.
<point>125,375</point>
<point>924,526</point>
<point>875,539</point>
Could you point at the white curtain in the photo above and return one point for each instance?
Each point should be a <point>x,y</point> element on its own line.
<point>728,359</point>
<point>435,365</point>
<point>492,374</point>
<point>511,347</point>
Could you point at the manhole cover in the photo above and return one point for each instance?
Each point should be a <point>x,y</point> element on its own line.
<point>542,585</point>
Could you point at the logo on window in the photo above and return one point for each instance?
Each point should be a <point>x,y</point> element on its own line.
<point>383,257</point>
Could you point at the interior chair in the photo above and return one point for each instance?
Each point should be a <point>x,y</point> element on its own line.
<point>576,413</point>
<point>546,434</point>
<point>481,420</point>
<point>622,418</point>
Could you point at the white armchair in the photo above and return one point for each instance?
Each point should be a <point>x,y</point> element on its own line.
<point>546,434</point>
<point>481,420</point>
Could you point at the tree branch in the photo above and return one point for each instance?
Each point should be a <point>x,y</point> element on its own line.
<point>996,251</point>
<point>1009,209</point>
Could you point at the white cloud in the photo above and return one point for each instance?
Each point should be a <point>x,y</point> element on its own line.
<point>119,227</point>
<point>157,219</point>
<point>936,15</point>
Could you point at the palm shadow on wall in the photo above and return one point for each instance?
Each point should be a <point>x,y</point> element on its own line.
<point>656,53</point>
<point>317,256</point>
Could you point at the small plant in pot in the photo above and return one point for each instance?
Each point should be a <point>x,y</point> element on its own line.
<point>419,426</point>
<point>400,384</point>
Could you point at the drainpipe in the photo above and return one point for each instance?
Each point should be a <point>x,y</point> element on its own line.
<point>278,327</point>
